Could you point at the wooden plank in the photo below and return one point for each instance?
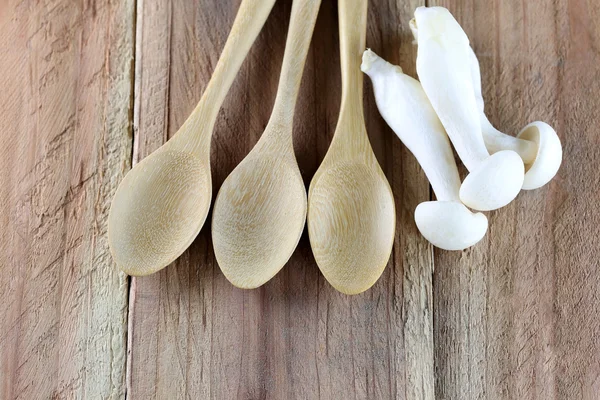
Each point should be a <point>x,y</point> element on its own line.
<point>65,100</point>
<point>517,316</point>
<point>193,335</point>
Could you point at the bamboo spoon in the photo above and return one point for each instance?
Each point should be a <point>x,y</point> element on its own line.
<point>351,216</point>
<point>260,210</point>
<point>162,203</point>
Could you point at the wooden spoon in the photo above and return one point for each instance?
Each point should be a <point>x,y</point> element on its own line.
<point>351,216</point>
<point>260,210</point>
<point>162,203</point>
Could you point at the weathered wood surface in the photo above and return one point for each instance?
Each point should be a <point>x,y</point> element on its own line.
<point>516,317</point>
<point>193,334</point>
<point>65,101</point>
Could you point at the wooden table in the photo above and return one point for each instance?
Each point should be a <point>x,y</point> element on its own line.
<point>85,85</point>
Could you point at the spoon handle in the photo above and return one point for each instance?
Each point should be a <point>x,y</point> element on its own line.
<point>350,140</point>
<point>302,23</point>
<point>353,31</point>
<point>248,22</point>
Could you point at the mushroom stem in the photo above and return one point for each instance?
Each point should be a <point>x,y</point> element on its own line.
<point>400,97</point>
<point>537,144</point>
<point>495,140</point>
<point>441,63</point>
<point>403,104</point>
<point>444,68</point>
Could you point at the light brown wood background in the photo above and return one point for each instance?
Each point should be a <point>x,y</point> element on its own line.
<point>88,87</point>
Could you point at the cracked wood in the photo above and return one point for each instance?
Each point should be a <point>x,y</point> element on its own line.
<point>66,97</point>
<point>515,317</point>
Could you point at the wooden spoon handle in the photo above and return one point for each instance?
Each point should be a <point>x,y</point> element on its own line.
<point>350,140</point>
<point>302,24</point>
<point>249,20</point>
<point>353,31</point>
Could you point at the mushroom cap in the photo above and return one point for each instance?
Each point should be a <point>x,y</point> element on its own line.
<point>549,154</point>
<point>494,183</point>
<point>450,225</point>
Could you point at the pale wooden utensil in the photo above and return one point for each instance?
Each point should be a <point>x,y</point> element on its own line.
<point>351,215</point>
<point>162,203</point>
<point>260,210</point>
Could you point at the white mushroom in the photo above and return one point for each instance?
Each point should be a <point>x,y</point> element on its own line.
<point>537,144</point>
<point>403,104</point>
<point>444,68</point>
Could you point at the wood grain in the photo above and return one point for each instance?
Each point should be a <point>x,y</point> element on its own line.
<point>196,336</point>
<point>66,98</point>
<point>515,317</point>
<point>518,317</point>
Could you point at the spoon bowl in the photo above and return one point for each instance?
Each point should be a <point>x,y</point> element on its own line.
<point>353,222</point>
<point>351,213</point>
<point>258,220</point>
<point>260,210</point>
<point>158,210</point>
<point>162,203</point>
